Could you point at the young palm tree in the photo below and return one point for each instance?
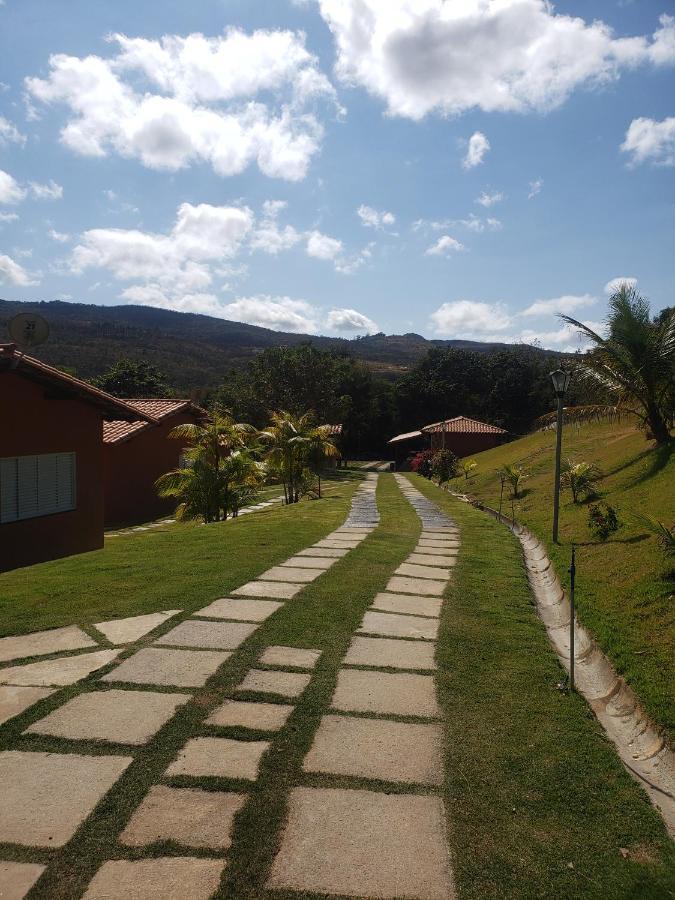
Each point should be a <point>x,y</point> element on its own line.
<point>318,449</point>
<point>579,478</point>
<point>202,485</point>
<point>514,475</point>
<point>635,363</point>
<point>294,442</point>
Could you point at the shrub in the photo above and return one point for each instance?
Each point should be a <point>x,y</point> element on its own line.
<point>580,478</point>
<point>664,535</point>
<point>603,520</point>
<point>421,463</point>
<point>514,475</point>
<point>467,468</point>
<point>444,466</point>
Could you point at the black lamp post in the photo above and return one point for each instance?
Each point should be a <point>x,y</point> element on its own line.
<point>561,380</point>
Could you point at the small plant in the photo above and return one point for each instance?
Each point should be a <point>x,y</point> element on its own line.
<point>421,463</point>
<point>664,535</point>
<point>580,478</point>
<point>444,466</point>
<point>603,520</point>
<point>466,468</point>
<point>514,475</point>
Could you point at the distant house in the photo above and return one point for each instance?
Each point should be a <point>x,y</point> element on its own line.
<point>51,460</point>
<point>136,453</point>
<point>462,435</point>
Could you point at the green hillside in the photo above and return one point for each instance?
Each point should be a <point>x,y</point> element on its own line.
<point>625,586</point>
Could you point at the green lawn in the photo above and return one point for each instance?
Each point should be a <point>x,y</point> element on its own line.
<point>624,587</point>
<point>532,784</point>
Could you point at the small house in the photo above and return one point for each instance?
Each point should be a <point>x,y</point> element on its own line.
<point>462,435</point>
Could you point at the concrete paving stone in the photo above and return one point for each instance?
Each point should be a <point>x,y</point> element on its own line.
<point>409,570</point>
<point>437,559</point>
<point>442,529</point>
<point>405,603</point>
<point>327,552</point>
<point>14,700</point>
<point>387,693</point>
<point>294,657</point>
<point>286,573</point>
<point>277,589</point>
<point>165,878</point>
<point>309,562</point>
<point>218,757</point>
<point>390,653</point>
<point>187,816</point>
<point>58,672</point>
<point>40,643</point>
<point>208,635</point>
<point>248,714</point>
<point>441,545</point>
<point>331,543</point>
<point>127,631</point>
<point>399,584</point>
<point>17,878</point>
<point>121,717</point>
<point>364,844</point>
<point>401,626</point>
<point>377,748</point>
<point>46,796</point>
<point>452,552</point>
<point>353,532</point>
<point>286,684</point>
<point>177,668</point>
<point>243,609</point>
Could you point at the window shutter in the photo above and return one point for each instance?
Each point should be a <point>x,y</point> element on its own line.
<point>33,486</point>
<point>8,490</point>
<point>65,481</point>
<point>28,486</point>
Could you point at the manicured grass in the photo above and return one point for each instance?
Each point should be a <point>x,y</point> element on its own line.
<point>175,567</point>
<point>538,803</point>
<point>624,587</point>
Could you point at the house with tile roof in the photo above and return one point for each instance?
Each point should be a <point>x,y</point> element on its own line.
<point>462,435</point>
<point>137,452</point>
<point>52,460</point>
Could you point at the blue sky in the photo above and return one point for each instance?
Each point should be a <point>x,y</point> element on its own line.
<point>463,169</point>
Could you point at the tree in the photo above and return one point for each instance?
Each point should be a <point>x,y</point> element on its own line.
<point>291,440</point>
<point>318,449</point>
<point>466,468</point>
<point>220,469</point>
<point>579,478</point>
<point>634,365</point>
<point>444,466</point>
<point>131,379</point>
<point>514,475</point>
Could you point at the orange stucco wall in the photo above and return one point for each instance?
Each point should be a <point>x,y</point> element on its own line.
<point>465,444</point>
<point>133,466</point>
<point>34,420</point>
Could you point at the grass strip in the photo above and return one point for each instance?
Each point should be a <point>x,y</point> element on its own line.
<point>538,802</point>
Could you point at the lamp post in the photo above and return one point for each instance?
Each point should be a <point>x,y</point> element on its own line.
<point>561,380</point>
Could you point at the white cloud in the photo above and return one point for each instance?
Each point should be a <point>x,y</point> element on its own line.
<point>268,236</point>
<point>616,283</point>
<point>10,189</point>
<point>475,223</point>
<point>566,304</point>
<point>277,313</point>
<point>476,149</point>
<point>9,133</point>
<point>8,217</point>
<point>50,191</point>
<point>535,188</point>
<point>58,236</point>
<point>321,246</point>
<point>450,56</point>
<point>470,318</point>
<point>12,273</point>
<point>351,320</point>
<point>228,101</point>
<point>488,200</point>
<point>444,246</point>
<point>373,218</point>
<point>650,141</point>
<point>565,338</point>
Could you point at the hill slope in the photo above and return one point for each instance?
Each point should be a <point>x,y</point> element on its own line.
<point>624,588</point>
<point>195,350</point>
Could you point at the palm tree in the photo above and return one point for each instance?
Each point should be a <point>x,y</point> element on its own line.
<point>635,363</point>
<point>294,442</point>
<point>318,449</point>
<point>580,478</point>
<point>217,460</point>
<point>514,475</point>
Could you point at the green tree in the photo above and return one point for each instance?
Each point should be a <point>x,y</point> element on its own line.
<point>634,365</point>
<point>131,379</point>
<point>514,475</point>
<point>318,449</point>
<point>580,478</point>
<point>291,441</point>
<point>444,466</point>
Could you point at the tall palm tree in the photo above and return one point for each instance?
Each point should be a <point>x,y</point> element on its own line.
<point>319,448</point>
<point>204,484</point>
<point>294,443</point>
<point>635,363</point>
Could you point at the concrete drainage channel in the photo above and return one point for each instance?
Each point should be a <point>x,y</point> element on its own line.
<point>641,746</point>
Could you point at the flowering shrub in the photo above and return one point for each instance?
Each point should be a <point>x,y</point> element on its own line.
<point>444,466</point>
<point>421,463</point>
<point>603,520</point>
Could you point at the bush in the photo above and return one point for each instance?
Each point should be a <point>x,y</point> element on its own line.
<point>580,478</point>
<point>603,520</point>
<point>421,463</point>
<point>444,466</point>
<point>513,475</point>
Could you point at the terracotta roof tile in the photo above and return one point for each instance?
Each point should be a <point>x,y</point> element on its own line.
<point>115,431</point>
<point>158,409</point>
<point>462,425</point>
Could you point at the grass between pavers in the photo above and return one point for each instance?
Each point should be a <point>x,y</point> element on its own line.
<point>625,585</point>
<point>323,616</point>
<point>538,802</point>
<point>177,567</point>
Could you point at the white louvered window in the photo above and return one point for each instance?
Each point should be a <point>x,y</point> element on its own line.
<point>32,486</point>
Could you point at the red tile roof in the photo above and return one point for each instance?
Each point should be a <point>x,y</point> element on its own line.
<point>115,431</point>
<point>12,360</point>
<point>462,425</point>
